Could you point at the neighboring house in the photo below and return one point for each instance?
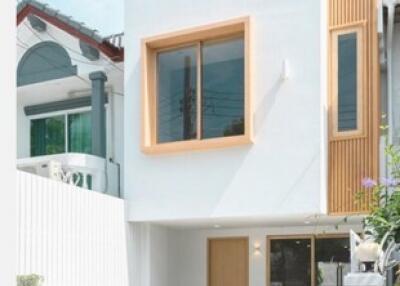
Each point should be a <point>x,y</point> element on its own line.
<point>70,99</point>
<point>249,126</point>
<point>70,121</point>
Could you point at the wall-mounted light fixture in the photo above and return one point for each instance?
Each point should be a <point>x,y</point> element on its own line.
<point>257,248</point>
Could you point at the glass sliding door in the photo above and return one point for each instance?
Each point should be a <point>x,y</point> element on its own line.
<point>70,132</point>
<point>79,133</point>
<point>290,261</point>
<point>308,260</point>
<point>48,136</point>
<point>332,258</point>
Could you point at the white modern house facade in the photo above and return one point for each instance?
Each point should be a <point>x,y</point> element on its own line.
<point>233,134</point>
<point>249,126</point>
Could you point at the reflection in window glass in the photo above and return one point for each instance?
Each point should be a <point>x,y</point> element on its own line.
<point>223,88</point>
<point>176,100</point>
<point>347,82</point>
<point>394,276</point>
<point>290,262</point>
<point>79,133</point>
<point>48,136</point>
<point>332,256</point>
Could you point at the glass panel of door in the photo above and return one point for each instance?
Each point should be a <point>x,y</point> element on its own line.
<point>290,262</point>
<point>332,259</point>
<point>308,261</point>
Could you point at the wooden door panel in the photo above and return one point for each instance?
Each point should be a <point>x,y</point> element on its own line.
<point>228,262</point>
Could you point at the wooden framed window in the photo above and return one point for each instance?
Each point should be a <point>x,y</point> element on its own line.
<point>196,89</point>
<point>347,81</point>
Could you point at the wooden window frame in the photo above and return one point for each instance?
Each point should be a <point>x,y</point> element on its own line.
<point>312,237</point>
<point>190,37</point>
<point>359,29</point>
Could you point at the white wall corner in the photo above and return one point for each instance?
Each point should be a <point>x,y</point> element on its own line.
<point>324,104</point>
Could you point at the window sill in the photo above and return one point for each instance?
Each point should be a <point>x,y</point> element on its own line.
<point>197,145</point>
<point>347,135</point>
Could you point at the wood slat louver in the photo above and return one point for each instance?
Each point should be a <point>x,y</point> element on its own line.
<point>354,157</point>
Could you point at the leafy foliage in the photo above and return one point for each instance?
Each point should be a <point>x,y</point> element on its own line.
<point>385,213</point>
<point>29,280</point>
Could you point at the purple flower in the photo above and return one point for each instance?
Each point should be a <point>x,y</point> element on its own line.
<point>389,182</point>
<point>368,183</point>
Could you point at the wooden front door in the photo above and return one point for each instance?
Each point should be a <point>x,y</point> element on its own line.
<point>228,262</point>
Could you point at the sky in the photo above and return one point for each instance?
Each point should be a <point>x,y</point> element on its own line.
<point>106,16</point>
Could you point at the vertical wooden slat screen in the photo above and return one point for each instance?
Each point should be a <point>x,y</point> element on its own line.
<point>353,157</point>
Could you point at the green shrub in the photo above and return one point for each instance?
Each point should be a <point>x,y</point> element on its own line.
<point>29,280</point>
<point>385,214</point>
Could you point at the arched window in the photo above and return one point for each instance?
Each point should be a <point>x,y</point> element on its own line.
<point>44,61</point>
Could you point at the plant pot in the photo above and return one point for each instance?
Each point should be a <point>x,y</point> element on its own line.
<point>367,251</point>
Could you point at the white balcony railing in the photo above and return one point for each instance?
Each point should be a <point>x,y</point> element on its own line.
<point>86,171</point>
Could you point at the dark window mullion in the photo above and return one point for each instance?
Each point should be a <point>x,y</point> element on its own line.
<point>199,92</point>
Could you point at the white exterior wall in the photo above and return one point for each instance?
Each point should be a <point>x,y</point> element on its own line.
<point>8,209</point>
<point>178,257</point>
<point>69,235</point>
<point>23,133</point>
<point>280,174</point>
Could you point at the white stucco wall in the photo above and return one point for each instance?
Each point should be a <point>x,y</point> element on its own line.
<point>178,257</point>
<point>281,172</point>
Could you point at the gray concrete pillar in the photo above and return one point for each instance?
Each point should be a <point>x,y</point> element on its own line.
<point>98,113</point>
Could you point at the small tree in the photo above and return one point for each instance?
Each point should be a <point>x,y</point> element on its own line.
<point>29,280</point>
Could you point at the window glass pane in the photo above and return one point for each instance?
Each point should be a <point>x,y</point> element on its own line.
<point>48,136</point>
<point>332,256</point>
<point>347,81</point>
<point>176,101</point>
<point>290,262</point>
<point>223,88</point>
<point>79,133</point>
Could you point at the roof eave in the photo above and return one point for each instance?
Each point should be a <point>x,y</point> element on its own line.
<point>112,52</point>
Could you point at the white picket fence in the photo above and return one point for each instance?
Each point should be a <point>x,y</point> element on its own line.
<point>70,236</point>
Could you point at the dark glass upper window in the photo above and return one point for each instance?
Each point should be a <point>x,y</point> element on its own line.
<point>223,88</point>
<point>208,75</point>
<point>176,104</point>
<point>48,136</point>
<point>61,133</point>
<point>347,82</point>
<point>80,133</point>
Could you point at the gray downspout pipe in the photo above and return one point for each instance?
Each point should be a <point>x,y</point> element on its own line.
<point>391,6</point>
<point>98,113</point>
